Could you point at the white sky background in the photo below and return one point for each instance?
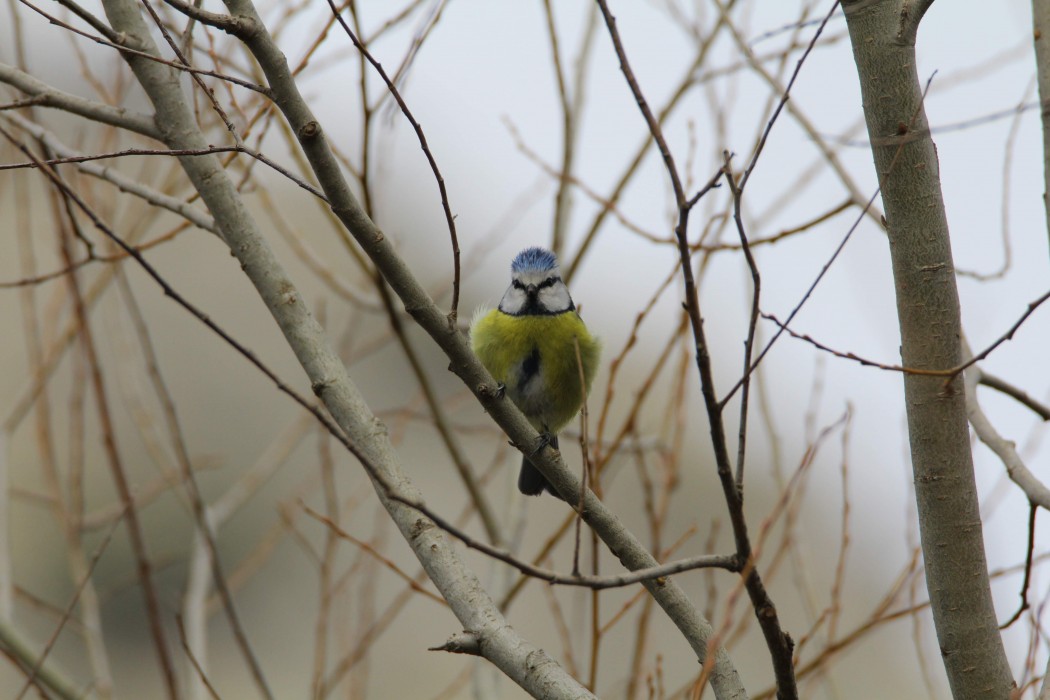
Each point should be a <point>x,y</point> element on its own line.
<point>489,61</point>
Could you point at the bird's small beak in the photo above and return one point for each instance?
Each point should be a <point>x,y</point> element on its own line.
<point>531,291</point>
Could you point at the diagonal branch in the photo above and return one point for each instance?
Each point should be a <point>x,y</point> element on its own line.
<point>340,396</point>
<point>365,436</point>
<point>48,96</point>
<point>1034,490</point>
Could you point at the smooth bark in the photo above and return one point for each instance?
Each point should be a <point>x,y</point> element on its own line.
<point>883,38</point>
<point>1041,40</point>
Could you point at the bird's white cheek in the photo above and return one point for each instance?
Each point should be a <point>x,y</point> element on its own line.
<point>555,298</point>
<point>512,301</point>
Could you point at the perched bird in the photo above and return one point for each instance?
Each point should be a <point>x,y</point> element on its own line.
<point>528,344</point>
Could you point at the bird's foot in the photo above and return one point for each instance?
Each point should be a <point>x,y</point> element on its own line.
<point>501,390</point>
<point>546,439</point>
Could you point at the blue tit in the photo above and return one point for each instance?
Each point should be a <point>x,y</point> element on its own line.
<point>528,345</point>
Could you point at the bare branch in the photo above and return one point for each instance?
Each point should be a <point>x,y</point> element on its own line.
<point>778,642</point>
<point>1019,395</point>
<point>949,373</point>
<point>37,665</point>
<point>46,96</point>
<point>707,561</point>
<point>1034,489</point>
<point>1041,39</point>
<point>48,676</point>
<point>124,183</point>
<point>450,220</point>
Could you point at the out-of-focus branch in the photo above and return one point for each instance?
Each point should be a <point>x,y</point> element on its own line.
<point>569,179</point>
<point>204,534</point>
<point>124,183</point>
<point>114,458</point>
<point>47,675</point>
<point>571,110</point>
<point>450,220</point>
<point>67,614</point>
<point>48,96</point>
<point>688,79</point>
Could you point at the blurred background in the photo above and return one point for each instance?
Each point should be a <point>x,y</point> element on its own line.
<point>828,477</point>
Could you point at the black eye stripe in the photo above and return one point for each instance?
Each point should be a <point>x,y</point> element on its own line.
<point>549,282</point>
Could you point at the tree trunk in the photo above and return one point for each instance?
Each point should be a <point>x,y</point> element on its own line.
<point>883,38</point>
<point>1041,41</point>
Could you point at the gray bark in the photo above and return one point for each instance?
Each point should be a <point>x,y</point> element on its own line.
<point>883,38</point>
<point>1041,39</point>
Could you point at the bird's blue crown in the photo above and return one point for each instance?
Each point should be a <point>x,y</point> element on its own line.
<point>533,260</point>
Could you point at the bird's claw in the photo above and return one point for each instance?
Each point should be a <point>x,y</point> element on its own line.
<point>545,440</point>
<point>501,390</point>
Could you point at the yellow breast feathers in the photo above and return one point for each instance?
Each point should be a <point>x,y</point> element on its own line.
<point>534,357</point>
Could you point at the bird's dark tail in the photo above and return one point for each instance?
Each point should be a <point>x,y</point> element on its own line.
<point>530,481</point>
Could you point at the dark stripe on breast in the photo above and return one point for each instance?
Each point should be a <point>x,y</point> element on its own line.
<point>531,366</point>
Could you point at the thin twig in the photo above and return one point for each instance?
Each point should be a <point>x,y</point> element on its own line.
<point>949,373</point>
<point>185,463</point>
<point>993,382</point>
<point>112,42</point>
<point>241,148</point>
<point>85,580</point>
<point>785,94</point>
<point>778,642</point>
<point>372,552</point>
<point>1033,508</point>
<point>113,456</point>
<point>756,291</point>
<point>823,270</point>
<point>450,220</point>
<point>777,237</point>
<point>714,561</point>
